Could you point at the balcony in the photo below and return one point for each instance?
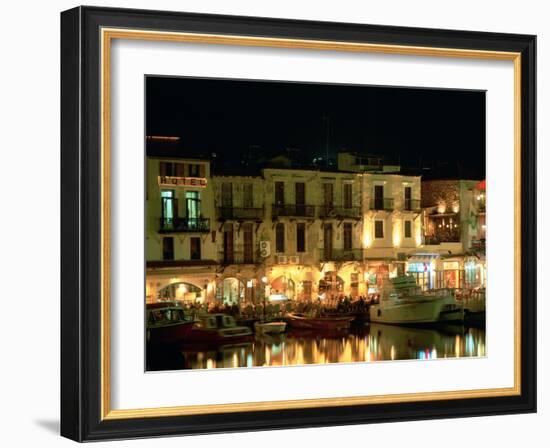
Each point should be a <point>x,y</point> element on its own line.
<point>328,212</point>
<point>411,205</point>
<point>240,213</point>
<point>177,224</point>
<point>381,204</point>
<point>239,255</point>
<point>341,254</point>
<point>293,210</point>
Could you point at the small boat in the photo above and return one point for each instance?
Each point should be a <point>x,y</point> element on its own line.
<point>303,321</point>
<point>218,328</point>
<point>452,310</point>
<point>270,327</point>
<point>167,323</point>
<point>403,302</point>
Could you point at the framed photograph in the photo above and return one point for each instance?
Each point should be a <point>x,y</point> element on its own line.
<point>277,224</point>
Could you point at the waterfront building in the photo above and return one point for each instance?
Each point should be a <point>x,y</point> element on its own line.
<point>181,252</point>
<point>453,253</point>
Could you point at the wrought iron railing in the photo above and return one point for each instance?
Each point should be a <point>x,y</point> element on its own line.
<point>304,211</point>
<point>178,224</point>
<point>327,212</point>
<point>381,203</point>
<point>412,205</point>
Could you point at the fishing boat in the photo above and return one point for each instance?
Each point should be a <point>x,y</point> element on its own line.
<point>266,327</point>
<point>218,328</point>
<point>167,323</point>
<point>312,322</point>
<point>403,302</point>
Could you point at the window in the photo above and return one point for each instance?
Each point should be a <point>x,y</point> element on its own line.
<point>228,238</point>
<point>408,228</point>
<point>348,196</point>
<point>168,248</point>
<point>167,169</point>
<point>248,196</point>
<point>347,235</point>
<point>195,246</point>
<point>193,205</point>
<point>328,195</point>
<point>379,229</point>
<point>408,197</point>
<point>194,170</point>
<point>379,197</point>
<point>300,237</point>
<point>280,238</point>
<point>327,239</point>
<point>300,189</point>
<point>169,205</point>
<point>279,193</point>
<point>248,240</point>
<point>227,194</point>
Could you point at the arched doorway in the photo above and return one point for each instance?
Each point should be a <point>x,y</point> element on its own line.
<point>230,291</point>
<point>181,291</point>
<point>283,286</point>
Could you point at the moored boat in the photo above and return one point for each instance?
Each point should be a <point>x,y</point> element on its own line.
<point>303,321</point>
<point>273,327</point>
<point>167,323</point>
<point>403,302</point>
<point>218,328</point>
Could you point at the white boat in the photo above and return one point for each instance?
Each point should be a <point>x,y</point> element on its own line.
<point>403,302</point>
<point>270,327</point>
<point>452,311</point>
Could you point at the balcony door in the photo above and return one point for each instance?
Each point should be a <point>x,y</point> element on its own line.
<point>279,193</point>
<point>248,196</point>
<point>228,247</point>
<point>227,195</point>
<point>327,237</point>
<point>169,209</point>
<point>408,197</point>
<point>300,190</point>
<point>193,209</point>
<point>379,197</point>
<point>248,239</point>
<point>328,197</point>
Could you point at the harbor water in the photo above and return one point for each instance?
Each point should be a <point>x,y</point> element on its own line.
<point>365,343</point>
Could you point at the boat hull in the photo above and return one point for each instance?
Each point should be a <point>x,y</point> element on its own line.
<point>270,327</point>
<point>169,334</point>
<point>412,312</point>
<point>219,336</point>
<point>319,323</point>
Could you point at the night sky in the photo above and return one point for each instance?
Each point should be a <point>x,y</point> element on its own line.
<point>443,130</point>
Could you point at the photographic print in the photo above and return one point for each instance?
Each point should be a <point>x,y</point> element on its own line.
<point>278,204</point>
<point>297,223</point>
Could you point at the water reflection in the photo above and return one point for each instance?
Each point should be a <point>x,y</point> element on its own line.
<point>374,342</point>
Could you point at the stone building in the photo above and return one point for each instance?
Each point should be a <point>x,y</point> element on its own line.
<point>451,257</point>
